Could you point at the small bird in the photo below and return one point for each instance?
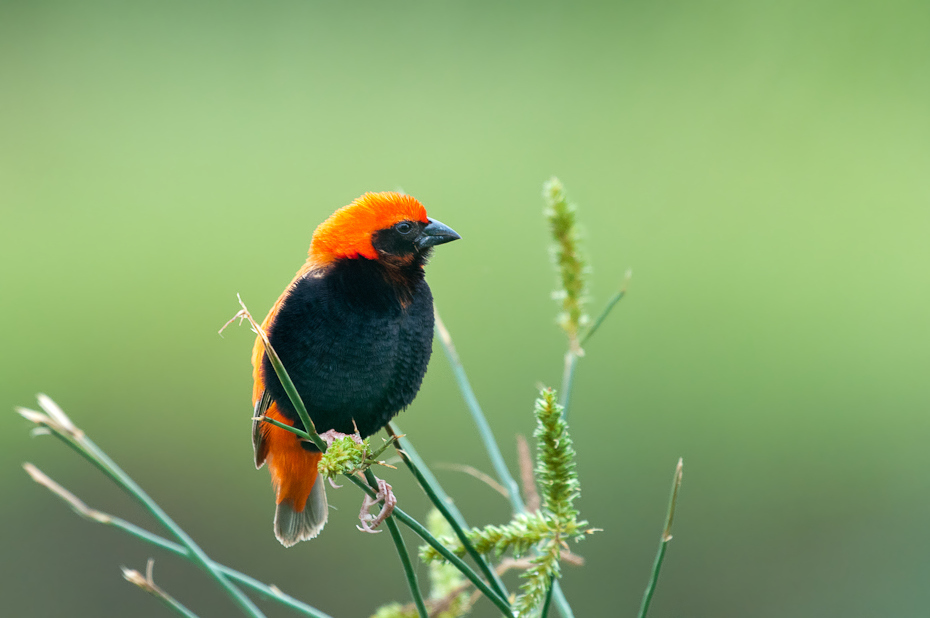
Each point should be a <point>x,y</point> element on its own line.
<point>354,331</point>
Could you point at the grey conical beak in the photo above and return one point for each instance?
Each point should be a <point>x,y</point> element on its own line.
<point>435,233</point>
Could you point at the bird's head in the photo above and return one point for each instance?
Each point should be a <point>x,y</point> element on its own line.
<point>387,226</point>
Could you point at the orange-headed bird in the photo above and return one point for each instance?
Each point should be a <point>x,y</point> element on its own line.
<point>354,330</point>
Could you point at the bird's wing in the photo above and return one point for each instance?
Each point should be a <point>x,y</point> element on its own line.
<point>258,445</point>
<point>261,399</point>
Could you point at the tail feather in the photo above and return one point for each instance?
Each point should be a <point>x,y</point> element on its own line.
<point>292,526</point>
<point>299,490</point>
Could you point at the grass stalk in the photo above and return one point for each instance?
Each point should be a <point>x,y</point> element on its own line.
<point>408,568</point>
<point>663,542</point>
<point>484,429</point>
<point>490,445</point>
<point>568,378</point>
<point>544,612</point>
<point>198,555</point>
<point>270,592</point>
<point>571,358</point>
<point>431,479</point>
<point>147,583</point>
<point>421,531</point>
<point>62,427</point>
<point>402,553</point>
<point>443,507</point>
<point>616,298</point>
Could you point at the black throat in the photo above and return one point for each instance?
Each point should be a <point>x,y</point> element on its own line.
<point>379,284</point>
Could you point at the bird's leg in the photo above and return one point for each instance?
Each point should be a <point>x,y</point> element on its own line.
<point>369,521</point>
<point>385,494</point>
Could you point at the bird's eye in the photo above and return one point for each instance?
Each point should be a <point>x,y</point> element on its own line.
<point>404,227</point>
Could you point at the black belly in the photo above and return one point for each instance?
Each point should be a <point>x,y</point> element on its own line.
<point>354,347</point>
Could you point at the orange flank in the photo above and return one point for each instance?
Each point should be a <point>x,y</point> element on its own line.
<point>293,468</point>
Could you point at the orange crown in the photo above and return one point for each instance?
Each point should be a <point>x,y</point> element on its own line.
<point>347,232</point>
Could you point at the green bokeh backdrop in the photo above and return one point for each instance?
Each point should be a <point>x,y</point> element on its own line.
<point>764,168</point>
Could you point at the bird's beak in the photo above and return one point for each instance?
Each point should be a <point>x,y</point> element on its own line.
<point>435,233</point>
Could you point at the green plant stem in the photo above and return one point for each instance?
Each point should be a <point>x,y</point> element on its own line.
<point>544,613</point>
<point>571,359</point>
<point>431,479</point>
<point>490,445</point>
<point>294,430</point>
<point>568,378</point>
<point>144,535</point>
<point>408,568</point>
<point>663,542</point>
<point>176,605</point>
<point>147,584</point>
<point>484,429</point>
<point>616,298</point>
<point>421,531</point>
<point>402,553</point>
<point>90,451</point>
<point>561,602</point>
<point>443,507</point>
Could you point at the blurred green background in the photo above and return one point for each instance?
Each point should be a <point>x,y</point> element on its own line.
<point>764,168</point>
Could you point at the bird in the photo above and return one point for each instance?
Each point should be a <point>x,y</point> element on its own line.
<point>354,330</point>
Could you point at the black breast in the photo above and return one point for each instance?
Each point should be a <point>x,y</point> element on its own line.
<point>355,342</point>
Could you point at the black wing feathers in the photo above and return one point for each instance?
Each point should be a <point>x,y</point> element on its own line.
<point>261,406</point>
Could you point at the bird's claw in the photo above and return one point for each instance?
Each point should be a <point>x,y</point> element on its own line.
<point>332,435</point>
<point>369,521</point>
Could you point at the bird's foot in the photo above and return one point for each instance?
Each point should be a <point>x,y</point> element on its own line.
<point>369,521</point>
